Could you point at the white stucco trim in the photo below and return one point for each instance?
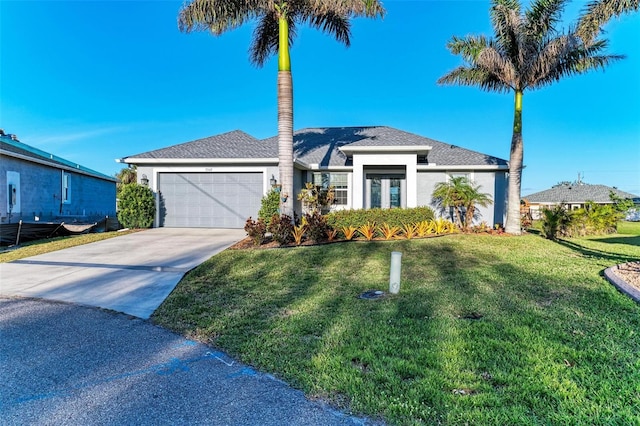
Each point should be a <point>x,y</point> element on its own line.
<point>416,149</point>
<point>387,159</point>
<point>431,167</point>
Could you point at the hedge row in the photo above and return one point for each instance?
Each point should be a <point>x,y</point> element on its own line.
<point>392,217</point>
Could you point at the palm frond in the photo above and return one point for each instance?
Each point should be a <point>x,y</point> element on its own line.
<point>492,61</point>
<point>217,16</point>
<point>577,61</point>
<point>347,8</point>
<point>265,39</point>
<point>543,17</point>
<point>474,76</point>
<point>331,23</point>
<point>599,12</point>
<point>468,47</point>
<point>507,24</point>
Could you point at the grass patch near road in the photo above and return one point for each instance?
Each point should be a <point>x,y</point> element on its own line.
<point>486,330</point>
<point>34,248</point>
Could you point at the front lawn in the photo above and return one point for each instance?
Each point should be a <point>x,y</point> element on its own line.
<point>486,329</point>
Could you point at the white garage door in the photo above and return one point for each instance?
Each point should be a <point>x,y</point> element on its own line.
<point>209,200</point>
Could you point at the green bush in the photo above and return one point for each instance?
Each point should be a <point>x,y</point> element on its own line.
<point>594,219</point>
<point>270,205</point>
<point>392,217</point>
<point>136,206</point>
<point>555,221</point>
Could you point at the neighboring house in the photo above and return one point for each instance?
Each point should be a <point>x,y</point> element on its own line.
<point>219,181</point>
<point>574,196</point>
<point>37,186</point>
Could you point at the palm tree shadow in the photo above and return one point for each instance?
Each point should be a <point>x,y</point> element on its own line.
<point>599,254</point>
<point>321,146</point>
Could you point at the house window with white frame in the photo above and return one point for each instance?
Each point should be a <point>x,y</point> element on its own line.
<point>66,188</point>
<point>339,183</point>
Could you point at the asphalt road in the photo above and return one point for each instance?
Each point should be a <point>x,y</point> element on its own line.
<point>64,364</point>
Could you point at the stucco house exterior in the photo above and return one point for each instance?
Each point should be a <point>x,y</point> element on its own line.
<point>575,196</point>
<point>38,186</point>
<point>219,181</point>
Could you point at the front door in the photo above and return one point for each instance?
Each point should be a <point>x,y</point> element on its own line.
<point>386,191</point>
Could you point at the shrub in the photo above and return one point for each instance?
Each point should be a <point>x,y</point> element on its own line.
<point>256,230</point>
<point>409,230</point>
<point>555,221</point>
<point>316,226</point>
<point>388,232</point>
<point>368,230</point>
<point>281,229</point>
<point>298,233</point>
<point>425,228</point>
<point>137,206</point>
<point>349,232</point>
<point>315,198</point>
<point>332,234</point>
<point>269,206</point>
<point>393,217</point>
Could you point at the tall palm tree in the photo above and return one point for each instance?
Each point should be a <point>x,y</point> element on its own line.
<point>526,53</point>
<point>277,22</point>
<point>599,12</point>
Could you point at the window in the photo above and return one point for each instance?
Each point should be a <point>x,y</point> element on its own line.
<point>339,183</point>
<point>66,188</point>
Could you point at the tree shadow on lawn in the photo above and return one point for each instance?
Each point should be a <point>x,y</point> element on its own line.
<point>632,240</point>
<point>601,254</point>
<point>470,331</point>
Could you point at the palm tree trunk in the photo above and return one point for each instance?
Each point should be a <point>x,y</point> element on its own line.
<point>285,119</point>
<point>515,170</point>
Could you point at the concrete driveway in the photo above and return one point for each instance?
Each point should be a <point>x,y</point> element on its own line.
<point>131,273</point>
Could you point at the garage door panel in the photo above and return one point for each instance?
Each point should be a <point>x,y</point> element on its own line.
<point>210,200</point>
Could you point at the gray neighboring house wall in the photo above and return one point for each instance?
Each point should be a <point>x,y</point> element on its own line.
<point>575,196</point>
<point>219,181</point>
<point>38,186</point>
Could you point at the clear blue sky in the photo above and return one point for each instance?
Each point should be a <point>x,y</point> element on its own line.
<point>92,81</point>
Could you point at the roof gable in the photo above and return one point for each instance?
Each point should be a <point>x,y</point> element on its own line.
<point>235,144</point>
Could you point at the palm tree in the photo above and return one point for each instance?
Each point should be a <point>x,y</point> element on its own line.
<point>526,53</point>
<point>473,198</point>
<point>599,12</point>
<point>460,195</point>
<point>277,22</point>
<point>126,176</point>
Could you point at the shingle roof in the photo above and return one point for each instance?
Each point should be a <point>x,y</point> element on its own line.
<point>235,144</point>
<point>578,193</point>
<point>12,146</point>
<point>320,146</point>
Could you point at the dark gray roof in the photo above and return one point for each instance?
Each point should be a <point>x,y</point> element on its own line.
<point>321,146</point>
<point>235,144</point>
<point>13,146</point>
<point>577,193</point>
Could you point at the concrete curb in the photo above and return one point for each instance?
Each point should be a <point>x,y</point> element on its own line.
<point>621,285</point>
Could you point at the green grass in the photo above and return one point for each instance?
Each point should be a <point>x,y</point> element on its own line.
<point>485,330</point>
<point>34,248</point>
<point>632,228</point>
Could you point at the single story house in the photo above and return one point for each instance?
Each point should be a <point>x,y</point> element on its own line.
<point>38,186</point>
<point>219,181</point>
<point>575,196</point>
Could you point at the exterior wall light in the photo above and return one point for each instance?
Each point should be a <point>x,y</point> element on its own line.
<point>144,180</point>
